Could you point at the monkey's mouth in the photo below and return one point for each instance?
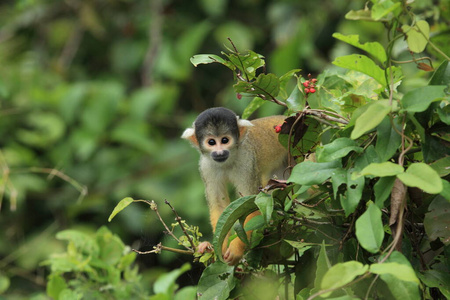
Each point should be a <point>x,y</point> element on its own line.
<point>220,157</point>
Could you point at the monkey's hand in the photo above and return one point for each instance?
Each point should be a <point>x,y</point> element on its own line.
<point>235,252</point>
<point>204,247</point>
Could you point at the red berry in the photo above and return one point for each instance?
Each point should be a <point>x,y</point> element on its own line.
<point>239,96</point>
<point>314,80</point>
<point>312,90</point>
<point>306,83</point>
<point>307,90</point>
<point>277,128</point>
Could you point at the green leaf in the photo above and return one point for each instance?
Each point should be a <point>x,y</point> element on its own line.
<point>362,14</point>
<point>342,273</point>
<point>5,283</point>
<point>419,99</point>
<point>417,36</point>
<point>382,190</point>
<point>247,63</point>
<point>399,288</point>
<point>437,220</point>
<point>252,107</point>
<point>216,282</point>
<point>383,169</point>
<point>296,100</point>
<point>323,265</point>
<point>373,48</point>
<point>355,189</point>
<point>237,209</point>
<point>265,86</point>
<point>401,271</point>
<point>369,229</point>
<point>363,64</point>
<point>265,204</point>
<point>368,120</point>
<point>442,74</point>
<point>120,206</point>
<point>388,140</point>
<point>337,149</point>
<point>338,177</point>
<point>441,166</point>
<point>422,176</point>
<point>208,59</point>
<point>82,241</point>
<point>166,283</point>
<point>111,246</point>
<point>55,286</point>
<point>445,189</point>
<point>187,293</point>
<point>300,246</point>
<point>437,279</point>
<point>381,8</point>
<point>310,173</point>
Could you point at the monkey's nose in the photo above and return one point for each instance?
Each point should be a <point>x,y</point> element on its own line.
<point>220,156</point>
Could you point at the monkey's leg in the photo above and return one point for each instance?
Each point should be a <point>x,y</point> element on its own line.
<point>235,251</point>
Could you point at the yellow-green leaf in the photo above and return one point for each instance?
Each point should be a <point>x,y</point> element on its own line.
<point>120,206</point>
<point>422,176</point>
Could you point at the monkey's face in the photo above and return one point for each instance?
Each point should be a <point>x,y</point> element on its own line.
<point>219,147</point>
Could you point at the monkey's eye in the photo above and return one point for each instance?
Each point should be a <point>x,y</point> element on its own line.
<point>211,142</point>
<point>225,140</point>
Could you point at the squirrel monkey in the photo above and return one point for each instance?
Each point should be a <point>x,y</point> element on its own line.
<point>241,152</point>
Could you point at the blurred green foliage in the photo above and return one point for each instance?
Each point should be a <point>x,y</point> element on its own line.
<point>93,98</point>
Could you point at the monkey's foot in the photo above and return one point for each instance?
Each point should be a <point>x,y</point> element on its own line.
<point>204,247</point>
<point>234,252</point>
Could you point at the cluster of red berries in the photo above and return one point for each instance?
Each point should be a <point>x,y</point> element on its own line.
<point>310,86</point>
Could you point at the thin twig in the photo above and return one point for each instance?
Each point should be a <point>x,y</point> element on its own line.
<point>155,208</point>
<point>322,115</point>
<point>178,219</point>
<point>158,248</point>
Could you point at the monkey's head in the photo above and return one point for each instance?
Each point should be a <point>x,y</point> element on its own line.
<point>217,132</point>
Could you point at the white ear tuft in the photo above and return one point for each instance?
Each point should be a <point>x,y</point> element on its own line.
<point>244,123</point>
<point>188,133</point>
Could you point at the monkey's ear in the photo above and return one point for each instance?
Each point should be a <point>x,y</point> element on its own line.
<point>189,134</point>
<point>243,126</point>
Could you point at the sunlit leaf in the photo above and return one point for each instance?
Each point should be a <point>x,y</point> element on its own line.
<point>382,169</point>
<point>422,176</point>
<point>342,273</point>
<point>401,271</point>
<point>120,206</point>
<point>362,64</point>
<point>369,229</point>
<point>373,48</point>
<point>368,120</point>
<point>417,36</point>
<point>381,9</point>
